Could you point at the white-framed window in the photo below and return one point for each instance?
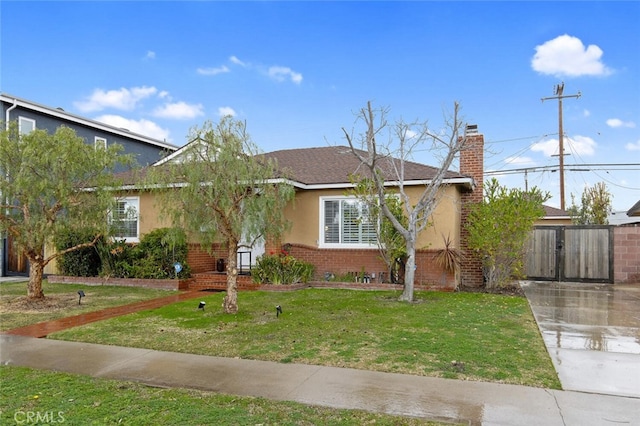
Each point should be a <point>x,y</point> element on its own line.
<point>26,125</point>
<point>125,221</point>
<point>345,223</point>
<point>100,143</point>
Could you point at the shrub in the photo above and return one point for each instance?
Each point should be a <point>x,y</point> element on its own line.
<point>84,262</point>
<point>117,258</point>
<point>281,268</point>
<point>153,258</point>
<point>159,250</point>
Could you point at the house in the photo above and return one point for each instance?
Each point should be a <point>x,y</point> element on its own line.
<point>31,115</point>
<point>554,217</point>
<point>622,217</point>
<point>326,228</point>
<point>635,210</point>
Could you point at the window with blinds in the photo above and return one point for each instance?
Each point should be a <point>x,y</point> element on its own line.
<point>124,219</point>
<point>347,222</point>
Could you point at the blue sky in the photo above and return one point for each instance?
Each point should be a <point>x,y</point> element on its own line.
<point>297,72</point>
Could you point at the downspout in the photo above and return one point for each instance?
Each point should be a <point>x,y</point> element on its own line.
<point>7,115</point>
<point>3,246</point>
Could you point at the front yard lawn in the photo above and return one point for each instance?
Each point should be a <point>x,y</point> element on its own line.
<point>470,336</point>
<point>61,300</point>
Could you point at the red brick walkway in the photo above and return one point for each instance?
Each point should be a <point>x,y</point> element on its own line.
<point>42,329</point>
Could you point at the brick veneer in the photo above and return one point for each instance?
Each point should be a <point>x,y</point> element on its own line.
<point>337,262</point>
<point>343,261</point>
<point>168,284</point>
<point>200,260</point>
<point>626,254</point>
<point>471,164</point>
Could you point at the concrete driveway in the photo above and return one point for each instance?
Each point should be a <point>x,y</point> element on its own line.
<point>592,333</point>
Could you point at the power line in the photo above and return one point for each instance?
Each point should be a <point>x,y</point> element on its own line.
<point>592,166</point>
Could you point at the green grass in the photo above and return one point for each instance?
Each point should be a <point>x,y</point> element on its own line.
<point>62,301</point>
<point>469,336</point>
<point>80,400</point>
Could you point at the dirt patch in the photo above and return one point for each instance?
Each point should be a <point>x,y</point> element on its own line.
<point>51,303</point>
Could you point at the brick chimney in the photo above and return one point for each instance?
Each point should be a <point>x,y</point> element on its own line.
<point>471,165</point>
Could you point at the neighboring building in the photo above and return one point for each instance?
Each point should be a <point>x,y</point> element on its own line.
<point>554,217</point>
<point>621,217</point>
<point>326,226</point>
<point>635,210</point>
<point>31,116</point>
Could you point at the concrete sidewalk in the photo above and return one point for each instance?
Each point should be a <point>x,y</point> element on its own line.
<point>475,403</point>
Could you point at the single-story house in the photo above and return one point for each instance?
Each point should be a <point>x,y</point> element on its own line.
<point>554,217</point>
<point>323,233</point>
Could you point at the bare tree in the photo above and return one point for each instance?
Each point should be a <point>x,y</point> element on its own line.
<point>385,162</point>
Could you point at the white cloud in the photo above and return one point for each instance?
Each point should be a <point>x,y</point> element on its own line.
<point>150,54</point>
<point>567,56</point>
<point>578,145</point>
<point>122,99</point>
<point>633,146</point>
<point>520,161</point>
<point>224,111</point>
<point>616,122</point>
<point>235,60</point>
<point>213,71</point>
<point>586,113</point>
<point>284,73</point>
<point>143,127</point>
<point>179,111</point>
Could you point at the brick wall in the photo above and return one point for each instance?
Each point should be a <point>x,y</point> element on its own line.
<point>343,261</point>
<point>626,254</point>
<point>335,261</point>
<point>200,260</point>
<point>167,284</point>
<point>471,164</point>
<point>218,281</point>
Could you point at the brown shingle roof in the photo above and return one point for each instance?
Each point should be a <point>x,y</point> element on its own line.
<point>334,164</point>
<point>331,165</point>
<point>554,212</point>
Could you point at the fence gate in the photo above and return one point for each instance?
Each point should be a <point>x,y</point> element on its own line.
<point>570,253</point>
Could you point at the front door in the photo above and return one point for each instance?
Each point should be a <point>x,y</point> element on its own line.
<point>248,254</point>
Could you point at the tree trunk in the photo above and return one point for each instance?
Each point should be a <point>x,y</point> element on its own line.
<point>409,273</point>
<point>34,287</point>
<point>230,304</point>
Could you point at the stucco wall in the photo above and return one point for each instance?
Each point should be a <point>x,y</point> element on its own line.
<point>304,215</point>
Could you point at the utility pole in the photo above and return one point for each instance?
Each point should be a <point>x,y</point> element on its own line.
<point>559,88</point>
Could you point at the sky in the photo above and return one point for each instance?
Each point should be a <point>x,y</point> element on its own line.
<point>297,72</point>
